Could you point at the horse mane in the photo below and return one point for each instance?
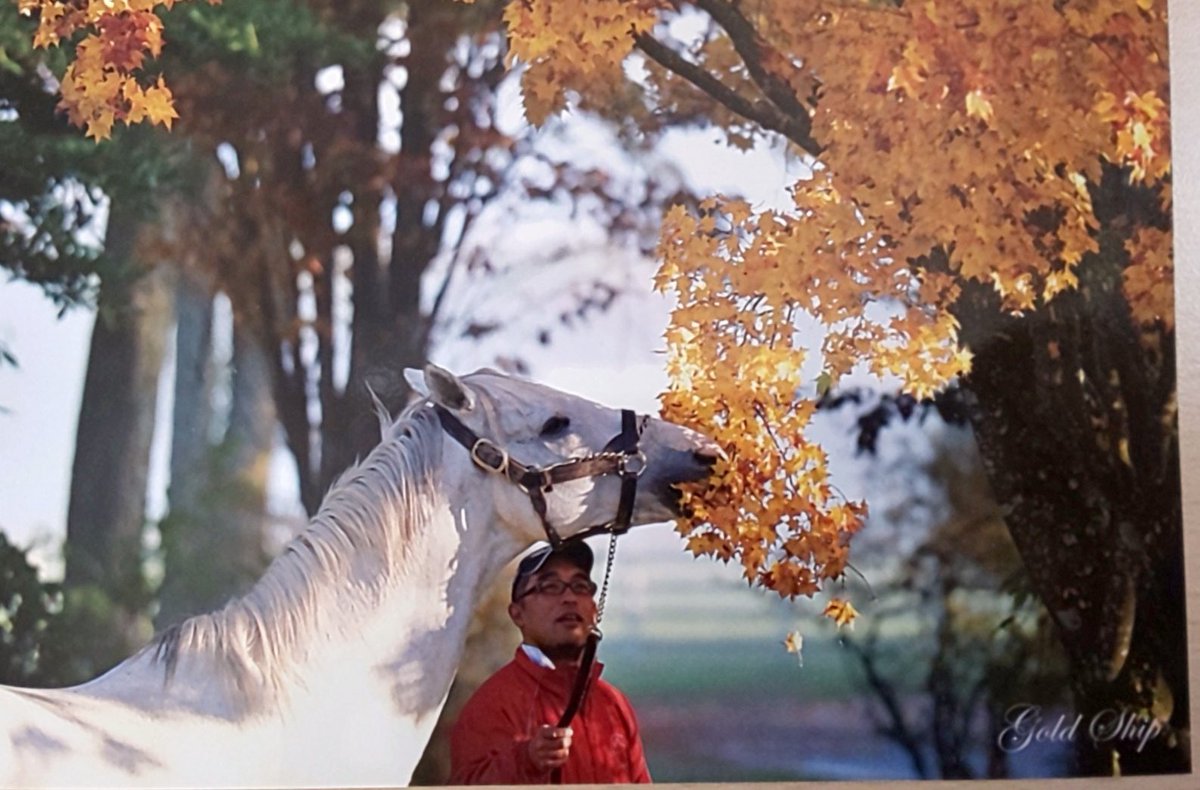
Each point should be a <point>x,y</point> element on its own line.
<point>348,554</point>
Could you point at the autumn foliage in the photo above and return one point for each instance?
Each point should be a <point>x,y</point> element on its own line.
<point>951,142</point>
<point>101,85</point>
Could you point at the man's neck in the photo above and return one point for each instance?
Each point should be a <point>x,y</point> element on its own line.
<point>553,657</point>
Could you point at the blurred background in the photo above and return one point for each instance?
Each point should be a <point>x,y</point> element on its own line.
<point>190,322</point>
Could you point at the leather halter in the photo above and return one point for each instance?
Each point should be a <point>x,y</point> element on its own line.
<point>620,456</point>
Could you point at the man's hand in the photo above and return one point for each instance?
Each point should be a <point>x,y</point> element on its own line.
<point>549,747</point>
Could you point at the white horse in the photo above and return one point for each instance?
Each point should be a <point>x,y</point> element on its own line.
<point>334,667</point>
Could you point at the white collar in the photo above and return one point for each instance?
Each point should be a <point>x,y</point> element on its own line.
<point>537,656</point>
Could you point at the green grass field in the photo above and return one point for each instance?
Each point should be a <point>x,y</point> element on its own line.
<point>752,669</point>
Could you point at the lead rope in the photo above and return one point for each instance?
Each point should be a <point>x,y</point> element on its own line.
<point>588,657</point>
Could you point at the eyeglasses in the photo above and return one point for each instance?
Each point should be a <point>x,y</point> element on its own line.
<point>556,587</point>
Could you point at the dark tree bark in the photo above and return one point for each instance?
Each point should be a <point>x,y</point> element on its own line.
<point>389,328</point>
<point>106,511</point>
<point>1075,417</point>
<point>246,451</point>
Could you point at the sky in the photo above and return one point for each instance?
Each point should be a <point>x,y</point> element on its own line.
<point>39,409</point>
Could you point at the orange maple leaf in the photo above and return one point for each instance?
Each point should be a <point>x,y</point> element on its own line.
<point>841,612</point>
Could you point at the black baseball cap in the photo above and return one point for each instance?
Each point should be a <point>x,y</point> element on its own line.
<point>575,552</point>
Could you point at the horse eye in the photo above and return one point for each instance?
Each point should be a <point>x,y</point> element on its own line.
<point>555,425</point>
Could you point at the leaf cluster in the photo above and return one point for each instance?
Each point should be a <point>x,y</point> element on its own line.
<point>26,609</point>
<point>112,40</point>
<point>953,144</point>
<point>55,187</point>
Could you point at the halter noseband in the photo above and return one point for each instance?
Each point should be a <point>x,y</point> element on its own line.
<point>620,456</point>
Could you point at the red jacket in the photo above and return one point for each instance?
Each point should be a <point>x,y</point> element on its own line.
<point>488,743</point>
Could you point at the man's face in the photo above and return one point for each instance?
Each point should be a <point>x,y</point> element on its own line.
<point>557,624</point>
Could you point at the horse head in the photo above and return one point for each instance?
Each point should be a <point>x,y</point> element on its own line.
<point>569,452</point>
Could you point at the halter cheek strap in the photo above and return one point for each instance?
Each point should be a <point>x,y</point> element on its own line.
<point>620,456</point>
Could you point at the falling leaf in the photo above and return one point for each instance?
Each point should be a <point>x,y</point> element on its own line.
<point>794,643</point>
<point>841,612</point>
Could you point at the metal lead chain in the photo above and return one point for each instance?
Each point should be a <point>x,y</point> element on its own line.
<point>612,555</point>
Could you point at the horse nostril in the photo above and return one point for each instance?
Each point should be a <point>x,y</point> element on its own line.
<point>707,458</point>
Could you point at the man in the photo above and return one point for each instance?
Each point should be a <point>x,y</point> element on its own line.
<point>507,732</point>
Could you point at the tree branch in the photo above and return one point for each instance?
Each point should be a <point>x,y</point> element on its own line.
<point>900,731</point>
<point>769,116</point>
<point>751,46</point>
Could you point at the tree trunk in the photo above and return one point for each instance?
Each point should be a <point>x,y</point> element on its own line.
<point>190,443</point>
<point>1076,422</point>
<point>247,452</point>
<point>390,330</point>
<point>106,511</point>
<point>213,538</point>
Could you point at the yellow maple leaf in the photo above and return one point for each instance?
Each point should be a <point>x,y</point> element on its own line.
<point>99,85</point>
<point>841,612</point>
<point>159,106</point>
<point>99,126</point>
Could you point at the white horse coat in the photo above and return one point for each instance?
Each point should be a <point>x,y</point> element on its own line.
<point>332,670</point>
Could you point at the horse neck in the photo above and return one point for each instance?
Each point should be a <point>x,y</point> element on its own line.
<point>365,620</point>
<point>391,670</point>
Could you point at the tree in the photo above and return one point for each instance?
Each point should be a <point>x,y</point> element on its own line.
<point>340,225</point>
<point>73,214</point>
<point>218,488</point>
<point>989,203</point>
<point>76,221</point>
<point>26,609</point>
<point>942,563</point>
<point>109,474</point>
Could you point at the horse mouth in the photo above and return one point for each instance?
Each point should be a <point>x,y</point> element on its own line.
<point>674,501</point>
<point>701,468</point>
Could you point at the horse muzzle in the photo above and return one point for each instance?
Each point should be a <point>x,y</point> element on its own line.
<point>690,459</point>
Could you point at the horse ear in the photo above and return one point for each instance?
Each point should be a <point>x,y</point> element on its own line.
<point>447,390</point>
<point>416,380</point>
<point>381,412</point>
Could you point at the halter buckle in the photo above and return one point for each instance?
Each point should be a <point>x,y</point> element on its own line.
<point>535,480</point>
<point>632,464</point>
<point>499,464</point>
